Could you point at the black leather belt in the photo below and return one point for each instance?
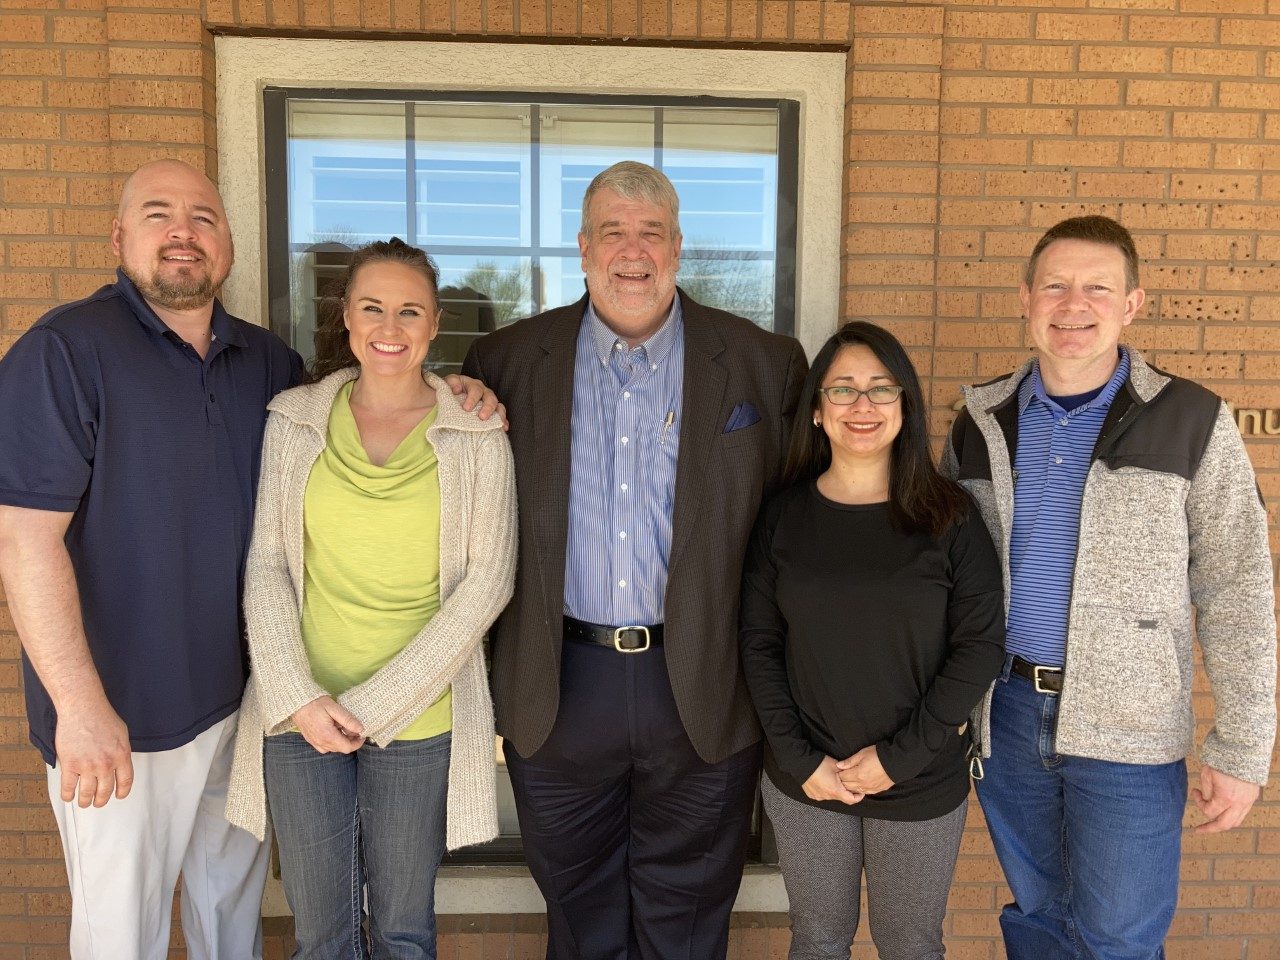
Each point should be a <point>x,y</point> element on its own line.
<point>1046,679</point>
<point>628,639</point>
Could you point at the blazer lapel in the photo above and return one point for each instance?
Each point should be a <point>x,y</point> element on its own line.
<point>553,406</point>
<point>700,418</point>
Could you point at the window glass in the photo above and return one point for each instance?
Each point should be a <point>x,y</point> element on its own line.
<point>493,190</point>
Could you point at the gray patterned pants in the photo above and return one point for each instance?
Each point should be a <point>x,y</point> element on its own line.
<point>823,855</point>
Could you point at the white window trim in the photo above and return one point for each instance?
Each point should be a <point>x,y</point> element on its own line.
<point>816,80</point>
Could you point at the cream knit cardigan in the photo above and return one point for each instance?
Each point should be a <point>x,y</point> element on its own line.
<point>477,568</point>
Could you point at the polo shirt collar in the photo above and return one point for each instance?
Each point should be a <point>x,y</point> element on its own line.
<point>656,348</point>
<point>223,326</point>
<point>1032,387</point>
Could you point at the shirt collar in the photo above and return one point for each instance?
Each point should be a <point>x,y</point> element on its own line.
<point>1032,388</point>
<point>656,348</point>
<point>222,325</point>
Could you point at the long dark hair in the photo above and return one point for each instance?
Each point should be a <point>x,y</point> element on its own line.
<point>333,349</point>
<point>921,500</point>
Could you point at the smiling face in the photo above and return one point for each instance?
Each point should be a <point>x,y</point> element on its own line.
<point>172,237</point>
<point>391,316</point>
<point>630,259</point>
<point>862,431</point>
<point>1076,307</point>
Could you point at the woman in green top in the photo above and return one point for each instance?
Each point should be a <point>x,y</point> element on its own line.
<point>383,547</point>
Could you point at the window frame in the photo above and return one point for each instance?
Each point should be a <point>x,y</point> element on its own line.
<point>275,100</point>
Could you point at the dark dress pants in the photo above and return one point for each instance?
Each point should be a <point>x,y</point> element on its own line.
<point>636,843</point>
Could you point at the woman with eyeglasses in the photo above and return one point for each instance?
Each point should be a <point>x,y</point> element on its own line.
<point>872,623</point>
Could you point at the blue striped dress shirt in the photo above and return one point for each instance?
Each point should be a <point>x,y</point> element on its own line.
<point>1054,453</point>
<point>625,441</point>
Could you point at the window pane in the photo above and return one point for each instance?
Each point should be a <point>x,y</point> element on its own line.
<point>478,294</point>
<point>744,287</point>
<point>472,164</point>
<point>577,142</point>
<point>347,179</point>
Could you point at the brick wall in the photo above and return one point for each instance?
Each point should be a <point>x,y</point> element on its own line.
<point>970,128</point>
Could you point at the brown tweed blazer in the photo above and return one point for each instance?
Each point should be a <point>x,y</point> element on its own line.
<point>721,479</point>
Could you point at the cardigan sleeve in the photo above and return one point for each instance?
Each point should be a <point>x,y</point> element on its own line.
<point>407,684</point>
<point>276,651</point>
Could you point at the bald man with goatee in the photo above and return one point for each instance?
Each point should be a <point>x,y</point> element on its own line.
<point>130,425</point>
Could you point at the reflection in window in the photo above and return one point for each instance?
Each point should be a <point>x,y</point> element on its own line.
<point>493,191</point>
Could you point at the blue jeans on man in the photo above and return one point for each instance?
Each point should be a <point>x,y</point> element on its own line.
<point>345,822</point>
<point>1089,847</point>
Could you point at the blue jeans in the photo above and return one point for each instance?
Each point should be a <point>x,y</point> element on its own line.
<point>374,818</point>
<point>1090,847</point>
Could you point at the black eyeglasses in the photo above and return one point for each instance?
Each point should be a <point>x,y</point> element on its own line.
<point>843,396</point>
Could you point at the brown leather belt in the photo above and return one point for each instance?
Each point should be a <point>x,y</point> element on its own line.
<point>1046,679</point>
<point>633,638</point>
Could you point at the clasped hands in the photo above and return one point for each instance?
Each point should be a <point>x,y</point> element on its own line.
<point>848,780</point>
<point>329,726</point>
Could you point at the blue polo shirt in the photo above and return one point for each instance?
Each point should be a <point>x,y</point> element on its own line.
<point>107,414</point>
<point>1056,437</point>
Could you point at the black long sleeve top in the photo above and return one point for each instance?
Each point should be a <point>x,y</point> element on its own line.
<point>855,633</point>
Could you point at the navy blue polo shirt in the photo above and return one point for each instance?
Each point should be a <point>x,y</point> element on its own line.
<point>107,414</point>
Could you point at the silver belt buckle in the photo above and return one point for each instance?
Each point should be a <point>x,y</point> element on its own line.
<point>617,639</point>
<point>1036,679</point>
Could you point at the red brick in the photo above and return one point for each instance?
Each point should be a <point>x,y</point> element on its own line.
<point>1252,96</point>
<point>895,210</point>
<point>988,151</point>
<point>23,156</point>
<point>1238,186</point>
<point>1168,153</point>
<point>960,183</point>
<point>897,19</point>
<point>1075,91</point>
<point>894,180</point>
<point>1075,153</point>
<point>154,27</point>
<point>1123,59</point>
<point>79,94</point>
<point>1122,123</point>
<point>1251,33</point>
<point>1175,29</point>
<point>1170,93</point>
<point>996,26</point>
<point>28,126</point>
<point>900,148</point>
<point>985,89</point>
<point>1027,183</point>
<point>23,28</point>
<point>1222,126</point>
<point>870,240</point>
<point>896,84</point>
<point>876,116</point>
<point>85,62</point>
<point>1079,26</point>
<point>1047,214</point>
<point>155,62</point>
<point>1215,61</point>
<point>1029,120</point>
<point>1121,185</point>
<point>170,94</point>
<point>897,52</point>
<point>84,29</point>
<point>19,61</point>
<point>1029,57</point>
<point>22,93</point>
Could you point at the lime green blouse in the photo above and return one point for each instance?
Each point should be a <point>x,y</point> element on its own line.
<point>371,558</point>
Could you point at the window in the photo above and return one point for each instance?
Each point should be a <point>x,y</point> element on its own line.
<point>491,185</point>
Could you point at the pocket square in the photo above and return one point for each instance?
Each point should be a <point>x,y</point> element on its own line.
<point>744,415</point>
